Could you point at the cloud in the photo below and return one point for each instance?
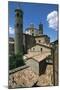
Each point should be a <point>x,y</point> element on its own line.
<point>11,31</point>
<point>52,19</point>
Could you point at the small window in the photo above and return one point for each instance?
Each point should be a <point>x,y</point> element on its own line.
<point>17,14</point>
<point>41,49</point>
<point>39,41</point>
<point>17,25</point>
<point>32,30</point>
<point>33,49</point>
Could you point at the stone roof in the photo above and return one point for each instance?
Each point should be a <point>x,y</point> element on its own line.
<point>37,56</point>
<point>41,57</point>
<point>42,35</point>
<point>23,78</point>
<point>44,45</point>
<point>27,78</point>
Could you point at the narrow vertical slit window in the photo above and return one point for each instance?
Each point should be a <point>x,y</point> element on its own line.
<point>17,25</point>
<point>17,14</point>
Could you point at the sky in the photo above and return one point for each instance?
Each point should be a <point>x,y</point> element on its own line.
<point>35,13</point>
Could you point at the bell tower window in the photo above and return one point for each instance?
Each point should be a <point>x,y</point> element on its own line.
<point>17,25</point>
<point>17,14</point>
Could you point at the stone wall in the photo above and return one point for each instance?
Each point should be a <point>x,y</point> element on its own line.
<point>34,65</point>
<point>39,48</point>
<point>28,42</point>
<point>22,78</point>
<point>38,67</point>
<point>55,65</point>
<point>42,39</point>
<point>46,79</point>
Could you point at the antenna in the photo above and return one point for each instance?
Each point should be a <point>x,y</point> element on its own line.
<point>41,19</point>
<point>18,5</point>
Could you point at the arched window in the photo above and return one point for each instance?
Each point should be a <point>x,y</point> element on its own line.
<point>17,14</point>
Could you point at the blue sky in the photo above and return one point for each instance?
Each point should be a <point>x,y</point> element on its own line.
<point>34,13</point>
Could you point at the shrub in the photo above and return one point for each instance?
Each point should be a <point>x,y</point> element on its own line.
<point>15,61</point>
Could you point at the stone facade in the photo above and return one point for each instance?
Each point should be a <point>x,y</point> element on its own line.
<point>56,67</point>
<point>44,39</point>
<point>18,31</point>
<point>55,63</point>
<point>37,67</point>
<point>40,48</point>
<point>28,42</point>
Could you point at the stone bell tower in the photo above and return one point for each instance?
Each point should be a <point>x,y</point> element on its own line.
<point>40,28</point>
<point>18,31</point>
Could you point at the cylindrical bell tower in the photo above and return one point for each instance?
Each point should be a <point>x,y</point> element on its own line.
<point>18,31</point>
<point>40,28</point>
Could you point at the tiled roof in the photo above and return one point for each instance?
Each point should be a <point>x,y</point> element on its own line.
<point>41,57</point>
<point>37,56</point>
<point>45,45</point>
